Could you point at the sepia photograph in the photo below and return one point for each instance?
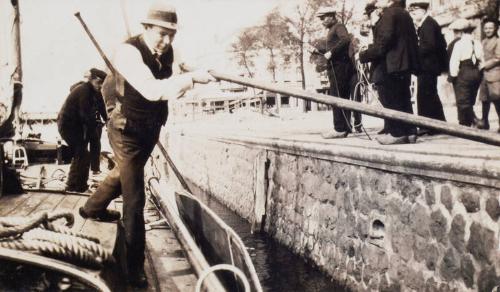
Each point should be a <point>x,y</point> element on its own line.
<point>249,146</point>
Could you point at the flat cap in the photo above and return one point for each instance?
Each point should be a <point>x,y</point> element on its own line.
<point>326,11</point>
<point>418,3</point>
<point>94,72</point>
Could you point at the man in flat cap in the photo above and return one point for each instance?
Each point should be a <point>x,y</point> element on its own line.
<point>433,61</point>
<point>144,85</point>
<point>394,57</point>
<point>340,69</point>
<point>75,121</point>
<point>465,72</point>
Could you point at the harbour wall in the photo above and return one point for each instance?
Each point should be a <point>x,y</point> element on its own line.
<point>370,218</point>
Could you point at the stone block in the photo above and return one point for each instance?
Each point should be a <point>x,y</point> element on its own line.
<point>457,233</point>
<point>431,285</point>
<point>369,271</point>
<point>430,195</point>
<point>357,271</point>
<point>471,201</point>
<point>450,265</point>
<point>482,242</point>
<point>438,226</point>
<point>468,270</point>
<point>447,198</point>
<point>426,251</point>
<point>410,190</point>
<point>362,228</point>
<point>419,218</point>
<point>419,248</point>
<point>414,279</point>
<point>487,279</point>
<point>493,207</point>
<point>365,206</point>
<point>373,283</point>
<point>402,243</point>
<point>376,257</point>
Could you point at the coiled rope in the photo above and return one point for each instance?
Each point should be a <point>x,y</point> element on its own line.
<point>39,234</point>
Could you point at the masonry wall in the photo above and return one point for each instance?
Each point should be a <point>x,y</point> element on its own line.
<point>372,228</point>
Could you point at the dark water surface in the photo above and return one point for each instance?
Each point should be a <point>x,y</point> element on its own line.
<point>277,267</point>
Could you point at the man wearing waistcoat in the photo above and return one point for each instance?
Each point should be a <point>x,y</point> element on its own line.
<point>431,48</point>
<point>144,86</point>
<point>394,57</point>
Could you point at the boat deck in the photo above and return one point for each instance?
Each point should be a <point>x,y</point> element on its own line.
<point>167,267</point>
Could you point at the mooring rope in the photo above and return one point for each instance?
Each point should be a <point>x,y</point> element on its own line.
<point>38,234</point>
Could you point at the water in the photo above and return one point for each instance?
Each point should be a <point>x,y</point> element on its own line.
<point>277,267</point>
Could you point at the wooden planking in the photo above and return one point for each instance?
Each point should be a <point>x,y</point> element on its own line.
<point>49,204</point>
<point>11,202</point>
<point>79,221</point>
<point>173,271</point>
<point>28,206</point>
<point>106,232</point>
<point>69,203</point>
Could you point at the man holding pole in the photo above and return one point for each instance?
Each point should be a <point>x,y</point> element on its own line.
<point>144,85</point>
<point>340,69</point>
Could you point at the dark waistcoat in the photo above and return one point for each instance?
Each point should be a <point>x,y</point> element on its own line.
<point>135,106</point>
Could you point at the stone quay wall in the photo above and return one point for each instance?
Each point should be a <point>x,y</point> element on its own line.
<point>369,223</point>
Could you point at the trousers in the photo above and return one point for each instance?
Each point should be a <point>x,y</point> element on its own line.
<point>394,93</point>
<point>132,145</point>
<point>95,147</point>
<point>76,138</point>
<point>428,102</point>
<point>466,87</point>
<point>340,76</point>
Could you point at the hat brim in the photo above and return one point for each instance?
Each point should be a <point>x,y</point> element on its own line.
<point>325,14</point>
<point>169,25</point>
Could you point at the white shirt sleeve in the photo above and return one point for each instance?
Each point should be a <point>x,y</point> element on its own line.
<point>455,59</point>
<point>478,51</point>
<point>128,62</point>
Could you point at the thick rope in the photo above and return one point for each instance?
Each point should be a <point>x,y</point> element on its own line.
<point>38,234</point>
<point>68,242</point>
<point>79,256</point>
<point>67,231</point>
<point>8,231</point>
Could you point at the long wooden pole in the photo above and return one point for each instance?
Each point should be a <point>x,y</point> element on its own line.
<point>440,126</point>
<point>113,70</point>
<point>17,78</point>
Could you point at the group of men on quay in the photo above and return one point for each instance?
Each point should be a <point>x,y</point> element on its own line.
<point>405,40</point>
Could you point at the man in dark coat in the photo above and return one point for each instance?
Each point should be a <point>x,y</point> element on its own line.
<point>431,50</point>
<point>394,58</point>
<point>340,69</point>
<point>75,121</point>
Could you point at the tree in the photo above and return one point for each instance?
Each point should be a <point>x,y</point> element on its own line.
<point>274,37</point>
<point>245,49</point>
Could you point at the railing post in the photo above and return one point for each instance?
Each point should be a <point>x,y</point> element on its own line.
<point>278,102</point>
<point>262,98</point>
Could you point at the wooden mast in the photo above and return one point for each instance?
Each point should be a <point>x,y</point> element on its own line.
<point>17,77</point>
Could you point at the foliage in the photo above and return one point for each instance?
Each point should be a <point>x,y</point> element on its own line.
<point>286,37</point>
<point>244,49</point>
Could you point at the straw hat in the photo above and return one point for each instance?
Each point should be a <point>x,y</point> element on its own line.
<point>462,24</point>
<point>162,14</point>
